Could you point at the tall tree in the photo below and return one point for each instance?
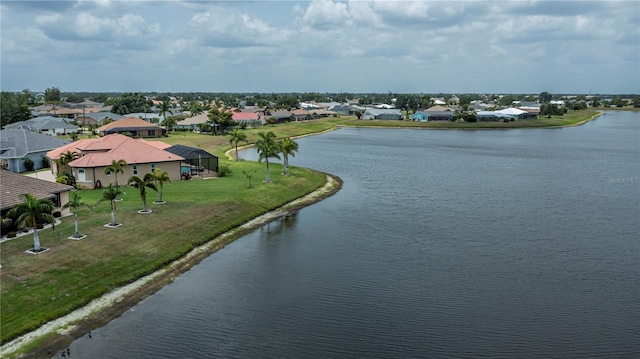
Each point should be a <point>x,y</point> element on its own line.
<point>288,147</point>
<point>13,108</point>
<point>142,184</point>
<point>160,177</point>
<point>220,119</point>
<point>545,97</point>
<point>165,107</point>
<point>111,194</point>
<point>235,137</point>
<point>168,123</point>
<point>267,148</point>
<point>30,211</point>
<point>75,203</point>
<point>52,95</point>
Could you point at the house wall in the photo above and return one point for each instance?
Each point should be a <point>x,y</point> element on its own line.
<point>17,164</point>
<point>95,174</point>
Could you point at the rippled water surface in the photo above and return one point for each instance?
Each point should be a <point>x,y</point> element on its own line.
<point>493,243</point>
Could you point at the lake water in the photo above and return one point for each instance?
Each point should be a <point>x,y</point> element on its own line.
<point>442,243</point>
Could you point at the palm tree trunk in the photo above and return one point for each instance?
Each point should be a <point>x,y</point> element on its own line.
<point>144,203</point>
<point>36,239</point>
<point>113,218</point>
<point>77,234</point>
<point>286,165</point>
<point>236,151</point>
<point>268,179</point>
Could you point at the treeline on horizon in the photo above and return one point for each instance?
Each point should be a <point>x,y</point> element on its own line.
<point>15,106</point>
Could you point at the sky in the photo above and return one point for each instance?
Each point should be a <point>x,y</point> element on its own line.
<point>357,46</point>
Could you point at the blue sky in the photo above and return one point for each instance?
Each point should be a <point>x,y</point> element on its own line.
<point>321,46</point>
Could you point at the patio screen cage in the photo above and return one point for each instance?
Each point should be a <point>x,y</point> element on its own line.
<point>197,162</point>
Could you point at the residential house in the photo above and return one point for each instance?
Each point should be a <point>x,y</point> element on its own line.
<point>95,154</point>
<point>280,115</point>
<point>300,114</point>
<point>16,144</point>
<point>430,115</point>
<point>46,125</point>
<point>13,185</point>
<point>321,113</point>
<point>97,118</point>
<point>192,123</point>
<point>134,126</point>
<point>372,113</point>
<point>248,118</point>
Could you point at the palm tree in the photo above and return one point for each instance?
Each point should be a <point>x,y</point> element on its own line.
<point>75,202</point>
<point>160,177</point>
<point>64,160</point>
<point>288,147</point>
<point>237,136</point>
<point>29,212</point>
<point>111,194</point>
<point>168,123</point>
<point>165,107</point>
<point>116,167</point>
<point>267,148</point>
<point>141,185</point>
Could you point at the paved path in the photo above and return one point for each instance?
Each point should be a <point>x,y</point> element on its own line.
<point>43,175</point>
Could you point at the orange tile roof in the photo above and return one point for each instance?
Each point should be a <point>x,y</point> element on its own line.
<point>132,122</point>
<point>99,152</point>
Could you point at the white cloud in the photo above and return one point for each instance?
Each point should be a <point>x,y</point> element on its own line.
<point>324,15</point>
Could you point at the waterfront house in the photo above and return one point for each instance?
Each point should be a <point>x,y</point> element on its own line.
<point>95,154</point>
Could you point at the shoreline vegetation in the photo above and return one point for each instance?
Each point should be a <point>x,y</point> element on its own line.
<point>51,299</point>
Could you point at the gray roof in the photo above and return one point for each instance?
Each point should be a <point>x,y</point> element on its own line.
<point>43,123</point>
<point>13,185</point>
<point>100,116</point>
<point>380,111</point>
<point>17,143</point>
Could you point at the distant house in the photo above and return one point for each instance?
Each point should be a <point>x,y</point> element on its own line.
<point>319,113</point>
<point>95,154</point>
<point>17,144</point>
<point>382,114</point>
<point>280,115</point>
<point>506,114</point>
<point>191,123</point>
<point>97,118</point>
<point>300,114</point>
<point>46,125</point>
<point>430,115</point>
<point>13,185</point>
<point>247,118</point>
<point>134,126</point>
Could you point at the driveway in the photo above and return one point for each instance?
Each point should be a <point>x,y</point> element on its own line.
<point>43,175</point>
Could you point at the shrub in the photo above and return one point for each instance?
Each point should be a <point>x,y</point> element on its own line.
<point>28,164</point>
<point>224,170</point>
<point>11,234</point>
<point>57,214</point>
<point>40,226</point>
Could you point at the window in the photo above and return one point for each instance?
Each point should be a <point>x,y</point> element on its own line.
<point>153,167</point>
<point>135,170</point>
<point>109,173</point>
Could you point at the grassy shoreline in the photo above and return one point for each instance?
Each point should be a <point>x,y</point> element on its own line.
<point>37,289</point>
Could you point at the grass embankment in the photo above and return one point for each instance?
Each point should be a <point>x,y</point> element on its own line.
<point>568,119</point>
<point>36,289</point>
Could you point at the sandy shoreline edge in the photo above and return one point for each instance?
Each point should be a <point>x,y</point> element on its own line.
<point>59,333</point>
